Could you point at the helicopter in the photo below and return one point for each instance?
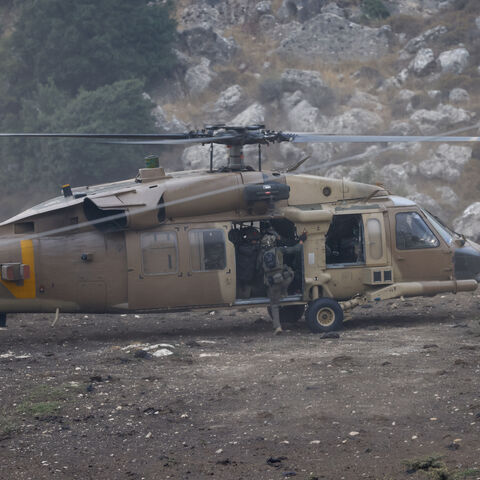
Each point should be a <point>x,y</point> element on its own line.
<point>165,242</point>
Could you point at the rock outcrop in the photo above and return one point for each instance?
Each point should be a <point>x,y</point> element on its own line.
<point>332,38</point>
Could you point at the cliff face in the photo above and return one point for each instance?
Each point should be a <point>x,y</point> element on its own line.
<point>329,67</point>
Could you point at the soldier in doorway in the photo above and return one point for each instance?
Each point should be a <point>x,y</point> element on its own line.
<point>276,275</point>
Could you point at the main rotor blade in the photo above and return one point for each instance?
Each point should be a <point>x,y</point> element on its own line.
<point>100,136</point>
<point>174,141</point>
<point>136,139</point>
<point>319,138</point>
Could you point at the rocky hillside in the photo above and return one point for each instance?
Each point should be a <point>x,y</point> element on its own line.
<point>351,67</point>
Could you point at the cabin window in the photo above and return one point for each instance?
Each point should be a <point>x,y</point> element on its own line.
<point>375,247</point>
<point>412,232</point>
<point>344,243</point>
<point>159,253</point>
<point>207,250</point>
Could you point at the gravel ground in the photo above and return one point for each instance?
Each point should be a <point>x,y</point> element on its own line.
<point>215,395</point>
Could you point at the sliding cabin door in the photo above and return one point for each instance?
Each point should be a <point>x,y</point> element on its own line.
<point>178,266</point>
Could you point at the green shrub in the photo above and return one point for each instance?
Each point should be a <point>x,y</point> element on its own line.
<point>375,9</point>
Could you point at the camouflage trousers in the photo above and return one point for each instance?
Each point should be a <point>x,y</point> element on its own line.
<point>275,293</point>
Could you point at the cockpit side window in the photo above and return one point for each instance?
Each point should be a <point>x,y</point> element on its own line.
<point>442,229</point>
<point>412,232</point>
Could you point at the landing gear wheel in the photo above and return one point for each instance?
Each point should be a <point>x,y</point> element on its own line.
<point>324,315</point>
<point>289,313</point>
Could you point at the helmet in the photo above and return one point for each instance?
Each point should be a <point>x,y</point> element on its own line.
<point>268,241</point>
<point>250,234</point>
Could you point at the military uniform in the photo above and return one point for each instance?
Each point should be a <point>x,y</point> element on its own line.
<point>277,276</point>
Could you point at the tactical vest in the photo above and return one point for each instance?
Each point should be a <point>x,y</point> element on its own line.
<point>273,267</point>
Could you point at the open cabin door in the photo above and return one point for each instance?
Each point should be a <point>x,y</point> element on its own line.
<point>181,265</point>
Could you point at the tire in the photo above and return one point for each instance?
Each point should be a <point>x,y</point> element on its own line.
<point>289,313</point>
<point>324,315</point>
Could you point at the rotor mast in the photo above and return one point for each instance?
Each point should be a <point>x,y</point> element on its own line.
<point>235,157</point>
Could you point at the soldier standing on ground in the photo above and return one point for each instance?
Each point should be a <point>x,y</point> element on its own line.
<point>276,275</point>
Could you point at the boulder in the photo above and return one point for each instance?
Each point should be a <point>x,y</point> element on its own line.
<point>400,127</point>
<point>458,95</point>
<point>469,222</point>
<point>446,163</point>
<point>393,175</point>
<point>252,115</point>
<point>290,100</point>
<point>198,157</point>
<point>165,124</point>
<point>290,155</point>
<point>444,116</point>
<point>228,103</point>
<point>328,37</point>
<point>352,168</point>
<point>304,117</point>
<point>332,7</point>
<point>454,61</point>
<point>354,121</point>
<point>198,78</point>
<point>423,63</point>
<point>365,100</point>
<point>263,8</point>
<point>200,15</point>
<point>434,94</point>
<point>447,196</point>
<point>204,41</point>
<point>302,80</point>
<point>321,154</point>
<point>310,83</point>
<point>427,202</point>
<point>405,95</point>
<point>428,37</point>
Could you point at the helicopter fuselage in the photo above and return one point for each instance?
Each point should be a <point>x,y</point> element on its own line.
<point>165,243</point>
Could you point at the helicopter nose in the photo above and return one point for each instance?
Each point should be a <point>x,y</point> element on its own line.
<point>467,262</point>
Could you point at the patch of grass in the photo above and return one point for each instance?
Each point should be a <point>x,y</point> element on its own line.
<point>426,464</point>
<point>467,473</point>
<point>39,409</point>
<point>8,425</point>
<point>45,400</point>
<point>437,470</point>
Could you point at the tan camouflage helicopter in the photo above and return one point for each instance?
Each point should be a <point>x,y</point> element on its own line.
<point>186,240</point>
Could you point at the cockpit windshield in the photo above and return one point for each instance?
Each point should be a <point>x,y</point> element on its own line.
<point>446,233</point>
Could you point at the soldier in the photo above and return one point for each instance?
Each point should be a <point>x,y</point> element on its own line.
<point>276,275</point>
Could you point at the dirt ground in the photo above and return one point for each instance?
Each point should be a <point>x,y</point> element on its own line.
<point>92,397</point>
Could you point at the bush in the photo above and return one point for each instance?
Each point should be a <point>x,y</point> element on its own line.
<point>374,9</point>
<point>408,24</point>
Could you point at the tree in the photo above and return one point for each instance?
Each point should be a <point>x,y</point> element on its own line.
<point>87,44</point>
<point>48,163</point>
